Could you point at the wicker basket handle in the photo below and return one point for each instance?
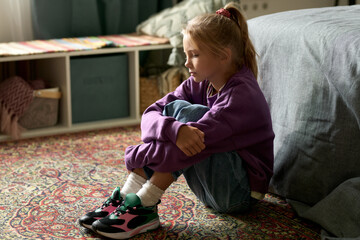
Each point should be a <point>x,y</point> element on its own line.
<point>47,93</point>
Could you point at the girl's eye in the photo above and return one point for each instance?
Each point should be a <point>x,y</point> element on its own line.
<point>191,56</point>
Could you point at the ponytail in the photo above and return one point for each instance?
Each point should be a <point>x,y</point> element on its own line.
<point>248,50</point>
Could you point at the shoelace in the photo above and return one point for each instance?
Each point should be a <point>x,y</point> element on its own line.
<point>106,203</point>
<point>122,210</point>
<point>109,202</point>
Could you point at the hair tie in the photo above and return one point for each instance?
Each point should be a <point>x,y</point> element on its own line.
<point>224,12</point>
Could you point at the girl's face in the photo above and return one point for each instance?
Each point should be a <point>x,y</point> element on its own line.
<point>201,64</point>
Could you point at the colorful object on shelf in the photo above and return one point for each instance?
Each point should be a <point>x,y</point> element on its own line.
<point>77,44</point>
<point>133,40</point>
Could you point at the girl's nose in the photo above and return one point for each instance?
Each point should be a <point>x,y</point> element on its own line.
<point>187,63</point>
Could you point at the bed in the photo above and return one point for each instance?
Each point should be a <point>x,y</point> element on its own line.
<point>309,71</point>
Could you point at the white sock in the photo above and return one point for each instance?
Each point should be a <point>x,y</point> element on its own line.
<point>132,184</point>
<point>149,194</point>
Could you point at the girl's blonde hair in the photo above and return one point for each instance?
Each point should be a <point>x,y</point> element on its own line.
<point>216,32</point>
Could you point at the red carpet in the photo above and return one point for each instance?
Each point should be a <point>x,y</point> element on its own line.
<point>47,183</point>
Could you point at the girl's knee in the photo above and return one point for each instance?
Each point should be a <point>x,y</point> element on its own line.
<point>184,111</point>
<point>172,109</point>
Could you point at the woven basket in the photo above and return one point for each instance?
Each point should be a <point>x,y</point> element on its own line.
<point>43,111</point>
<point>154,88</point>
<point>149,92</point>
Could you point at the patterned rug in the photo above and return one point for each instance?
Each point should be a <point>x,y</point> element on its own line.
<point>47,183</point>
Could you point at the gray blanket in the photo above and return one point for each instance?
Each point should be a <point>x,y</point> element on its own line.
<point>309,65</point>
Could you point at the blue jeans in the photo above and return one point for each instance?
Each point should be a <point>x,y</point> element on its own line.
<point>219,181</point>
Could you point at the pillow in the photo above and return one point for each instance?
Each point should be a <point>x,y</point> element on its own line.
<point>169,22</point>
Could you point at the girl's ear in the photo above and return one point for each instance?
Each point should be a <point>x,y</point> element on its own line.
<point>227,55</point>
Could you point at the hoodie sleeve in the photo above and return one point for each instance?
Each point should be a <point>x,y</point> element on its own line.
<point>237,120</point>
<point>155,126</point>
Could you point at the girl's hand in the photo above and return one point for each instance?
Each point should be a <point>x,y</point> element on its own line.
<point>190,140</point>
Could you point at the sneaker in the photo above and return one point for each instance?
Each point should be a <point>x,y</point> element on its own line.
<point>108,207</point>
<point>129,219</point>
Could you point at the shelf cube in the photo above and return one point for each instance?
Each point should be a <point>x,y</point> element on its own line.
<point>99,87</point>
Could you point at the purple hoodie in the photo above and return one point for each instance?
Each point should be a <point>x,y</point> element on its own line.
<point>238,119</point>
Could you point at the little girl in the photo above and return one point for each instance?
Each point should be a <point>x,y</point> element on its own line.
<point>215,129</point>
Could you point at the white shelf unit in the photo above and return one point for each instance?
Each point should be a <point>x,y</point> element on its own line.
<point>55,68</point>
